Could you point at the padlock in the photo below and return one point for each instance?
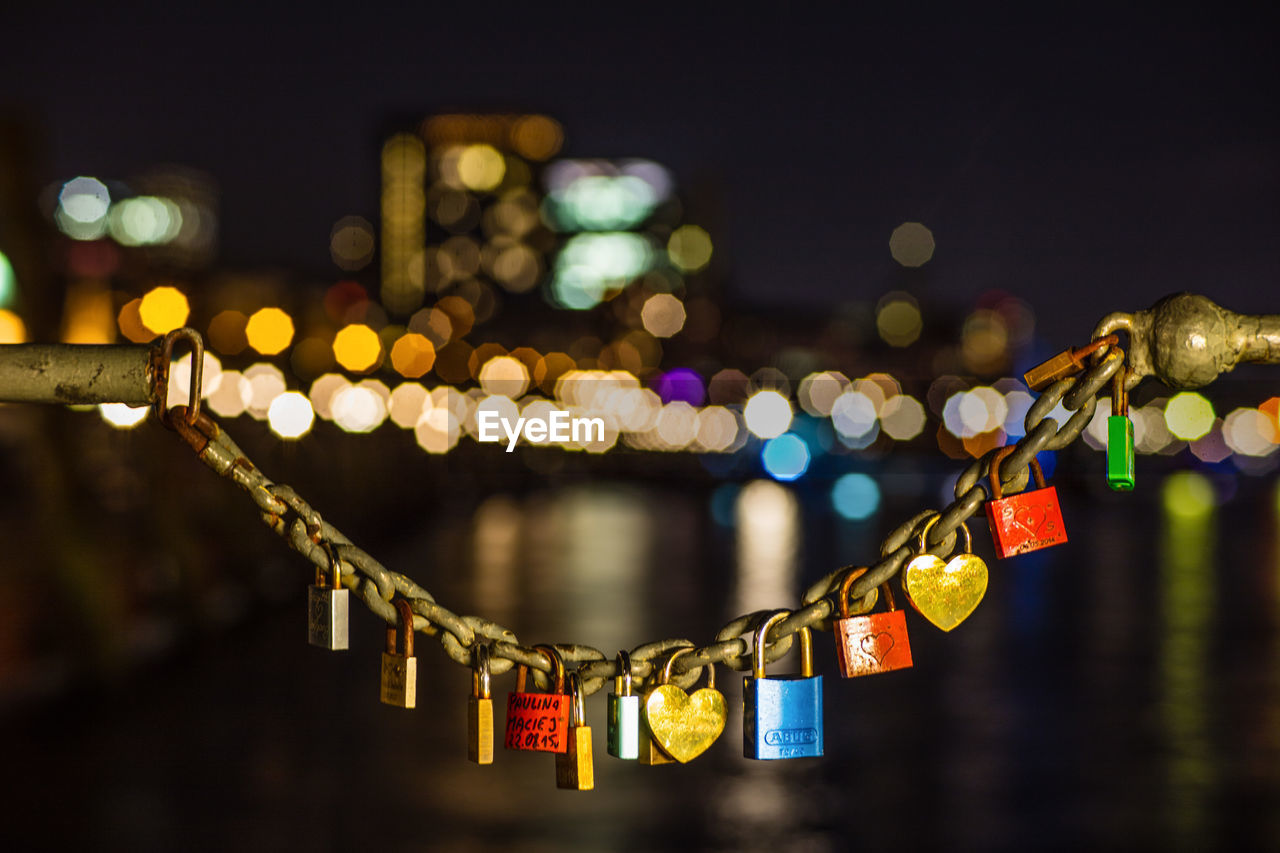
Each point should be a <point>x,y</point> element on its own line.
<point>624,713</point>
<point>874,642</point>
<point>1027,521</point>
<point>1120,467</point>
<point>782,716</point>
<point>945,593</point>
<point>1064,364</point>
<point>539,721</point>
<point>400,671</point>
<point>480,708</point>
<point>575,768</point>
<point>328,607</point>
<point>649,750</point>
<point>679,725</point>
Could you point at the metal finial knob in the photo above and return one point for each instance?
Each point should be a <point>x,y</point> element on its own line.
<point>1187,340</point>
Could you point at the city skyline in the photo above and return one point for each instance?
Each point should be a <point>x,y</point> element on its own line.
<point>1085,168</point>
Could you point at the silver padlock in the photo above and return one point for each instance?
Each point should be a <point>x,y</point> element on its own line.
<point>328,606</point>
<point>624,713</point>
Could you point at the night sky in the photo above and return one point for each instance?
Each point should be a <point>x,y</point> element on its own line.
<point>1087,163</point>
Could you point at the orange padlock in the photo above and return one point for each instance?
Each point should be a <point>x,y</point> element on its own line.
<point>539,721</point>
<point>874,642</point>
<point>1024,522</point>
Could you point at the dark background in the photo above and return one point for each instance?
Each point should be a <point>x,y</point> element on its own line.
<point>1088,161</point>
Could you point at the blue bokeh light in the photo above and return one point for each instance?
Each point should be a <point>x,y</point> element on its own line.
<point>855,496</point>
<point>785,457</point>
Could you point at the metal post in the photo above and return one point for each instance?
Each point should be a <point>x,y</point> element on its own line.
<point>76,374</point>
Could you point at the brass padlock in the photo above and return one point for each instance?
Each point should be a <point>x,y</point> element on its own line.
<point>1064,364</point>
<point>480,708</point>
<point>682,725</point>
<point>328,607</point>
<point>649,750</point>
<point>400,671</point>
<point>575,768</point>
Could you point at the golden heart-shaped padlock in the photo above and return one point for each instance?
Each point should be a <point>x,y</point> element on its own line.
<point>945,593</point>
<point>684,725</point>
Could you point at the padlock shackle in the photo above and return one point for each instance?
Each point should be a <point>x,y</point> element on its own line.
<point>335,564</point>
<point>924,535</point>
<point>552,654</point>
<point>623,685</point>
<point>847,584</point>
<point>1120,392</point>
<point>579,705</point>
<point>1079,354</point>
<point>997,458</point>
<point>757,648</point>
<point>481,683</point>
<point>665,676</point>
<point>405,612</point>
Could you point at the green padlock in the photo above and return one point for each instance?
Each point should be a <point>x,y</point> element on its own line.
<point>1120,437</point>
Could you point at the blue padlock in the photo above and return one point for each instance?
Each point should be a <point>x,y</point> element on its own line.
<point>782,717</point>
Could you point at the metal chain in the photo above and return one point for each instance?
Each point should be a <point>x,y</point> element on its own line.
<point>301,526</point>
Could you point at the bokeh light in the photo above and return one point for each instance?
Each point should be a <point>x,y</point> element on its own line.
<point>12,329</point>
<point>408,401</point>
<point>911,244</point>
<point>227,332</point>
<point>1212,446</point>
<point>145,221</point>
<point>269,331</point>
<point>351,243</point>
<point>266,382</point>
<point>1250,432</point>
<point>898,319</point>
<point>818,392</point>
<point>83,204</point>
<point>1189,416</point>
<point>164,309</point>
<point>290,415</point>
<point>122,416</point>
<point>1187,494</point>
<point>855,496</point>
<point>231,397</point>
<point>323,390</point>
<point>412,355</point>
<point>902,417</point>
<point>853,414</point>
<point>662,315</point>
<point>717,428</point>
<point>357,347</point>
<point>785,457</point>
<point>689,248</point>
<point>505,376</point>
<point>768,414</point>
<point>480,167</point>
<point>358,408</point>
<point>8,282</point>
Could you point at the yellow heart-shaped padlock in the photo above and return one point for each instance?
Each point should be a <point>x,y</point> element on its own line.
<point>945,593</point>
<point>684,725</point>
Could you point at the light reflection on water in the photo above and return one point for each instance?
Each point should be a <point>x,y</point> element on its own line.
<point>1187,602</point>
<point>1098,697</point>
<point>767,527</point>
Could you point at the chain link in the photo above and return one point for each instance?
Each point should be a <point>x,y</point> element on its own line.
<point>301,526</point>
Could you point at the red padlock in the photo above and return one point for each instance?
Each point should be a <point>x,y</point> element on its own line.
<point>1024,522</point>
<point>874,642</point>
<point>539,721</point>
